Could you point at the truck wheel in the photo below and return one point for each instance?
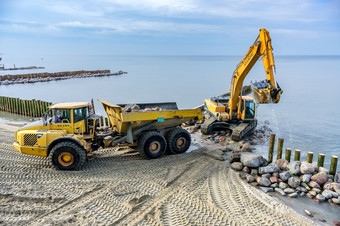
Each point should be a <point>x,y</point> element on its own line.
<point>67,155</point>
<point>179,140</point>
<point>152,145</point>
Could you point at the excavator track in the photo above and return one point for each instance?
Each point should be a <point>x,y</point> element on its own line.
<point>205,126</point>
<point>243,129</point>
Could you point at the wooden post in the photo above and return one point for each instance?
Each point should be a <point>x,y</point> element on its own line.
<point>334,163</point>
<point>279,148</point>
<point>271,147</point>
<point>297,155</point>
<point>321,160</point>
<point>288,154</point>
<point>310,157</point>
<point>101,121</point>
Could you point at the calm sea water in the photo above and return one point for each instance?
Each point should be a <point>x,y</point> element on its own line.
<point>307,116</point>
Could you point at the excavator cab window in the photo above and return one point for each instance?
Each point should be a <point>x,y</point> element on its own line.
<point>250,110</point>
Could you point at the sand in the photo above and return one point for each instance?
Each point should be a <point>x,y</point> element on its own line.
<point>120,187</point>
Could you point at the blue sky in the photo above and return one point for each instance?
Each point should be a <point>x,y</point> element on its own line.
<point>167,27</point>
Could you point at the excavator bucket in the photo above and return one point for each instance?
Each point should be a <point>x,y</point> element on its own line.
<point>264,93</point>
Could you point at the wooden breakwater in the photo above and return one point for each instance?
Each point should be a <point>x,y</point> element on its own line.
<point>46,77</point>
<point>33,108</point>
<point>297,155</point>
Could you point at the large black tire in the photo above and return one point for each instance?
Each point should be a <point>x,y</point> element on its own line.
<point>179,140</point>
<point>67,155</point>
<point>152,145</point>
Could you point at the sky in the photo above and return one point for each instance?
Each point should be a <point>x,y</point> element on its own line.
<point>167,27</point>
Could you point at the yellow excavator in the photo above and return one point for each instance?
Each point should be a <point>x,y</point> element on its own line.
<point>236,113</point>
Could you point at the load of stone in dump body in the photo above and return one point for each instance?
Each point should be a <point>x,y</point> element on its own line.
<point>136,108</point>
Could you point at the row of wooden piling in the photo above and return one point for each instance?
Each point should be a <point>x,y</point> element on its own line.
<point>33,108</point>
<point>104,121</point>
<point>297,155</point>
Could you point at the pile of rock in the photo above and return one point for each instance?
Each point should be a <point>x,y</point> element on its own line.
<point>136,108</point>
<point>292,179</point>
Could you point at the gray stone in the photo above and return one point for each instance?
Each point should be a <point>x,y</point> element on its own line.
<point>305,178</point>
<point>266,189</point>
<point>302,194</point>
<point>336,201</point>
<point>280,191</point>
<point>294,167</point>
<point>283,185</point>
<point>275,185</point>
<point>250,178</point>
<point>289,190</point>
<point>320,197</point>
<point>251,159</point>
<point>271,168</point>
<point>302,189</point>
<point>236,166</point>
<point>285,175</point>
<point>306,168</point>
<point>336,187</point>
<point>305,186</point>
<point>329,194</point>
<point>263,181</point>
<point>267,175</point>
<point>320,178</point>
<point>282,164</point>
<point>293,195</point>
<point>294,182</point>
<point>253,172</point>
<point>317,190</point>
<point>313,184</point>
<point>275,174</point>
<point>323,169</point>
<point>308,213</point>
<point>246,169</point>
<point>312,193</point>
<point>337,177</point>
<point>246,148</point>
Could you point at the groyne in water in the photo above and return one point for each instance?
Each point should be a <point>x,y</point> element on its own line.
<point>34,108</point>
<point>47,77</point>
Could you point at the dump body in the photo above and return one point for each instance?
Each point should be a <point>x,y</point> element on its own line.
<point>168,117</point>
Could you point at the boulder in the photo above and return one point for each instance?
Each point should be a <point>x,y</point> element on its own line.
<point>323,169</point>
<point>246,169</point>
<point>289,190</point>
<point>282,164</point>
<point>246,148</point>
<point>294,167</point>
<point>267,175</point>
<point>305,178</point>
<point>293,195</point>
<point>271,168</point>
<point>253,172</point>
<point>294,182</point>
<point>327,186</point>
<point>320,197</point>
<point>280,191</point>
<point>273,180</point>
<point>305,186</point>
<point>251,159</point>
<point>336,187</point>
<point>302,189</point>
<point>275,185</point>
<point>263,181</point>
<point>320,178</point>
<point>235,157</point>
<point>312,193</point>
<point>317,190</point>
<point>237,166</point>
<point>329,194</point>
<point>254,183</point>
<point>250,178</point>
<point>283,185</point>
<point>266,189</point>
<point>336,201</point>
<point>285,175</point>
<point>337,177</point>
<point>306,168</point>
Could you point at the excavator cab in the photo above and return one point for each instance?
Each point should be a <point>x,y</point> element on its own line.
<point>246,109</point>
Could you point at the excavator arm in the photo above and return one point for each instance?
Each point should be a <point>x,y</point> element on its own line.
<point>265,91</point>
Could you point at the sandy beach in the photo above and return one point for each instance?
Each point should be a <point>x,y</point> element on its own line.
<point>120,187</point>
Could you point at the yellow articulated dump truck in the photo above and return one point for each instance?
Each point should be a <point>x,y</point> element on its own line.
<point>68,132</point>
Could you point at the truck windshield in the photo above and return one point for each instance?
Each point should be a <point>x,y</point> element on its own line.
<point>80,114</point>
<point>61,115</point>
<point>250,109</point>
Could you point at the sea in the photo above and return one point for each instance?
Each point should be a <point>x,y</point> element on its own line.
<point>307,117</point>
